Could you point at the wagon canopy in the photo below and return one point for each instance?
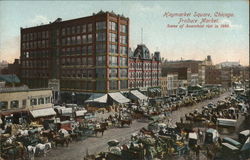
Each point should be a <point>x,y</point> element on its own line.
<point>43,112</point>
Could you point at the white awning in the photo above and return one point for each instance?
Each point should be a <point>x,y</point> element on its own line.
<point>118,97</point>
<point>66,111</point>
<point>43,112</point>
<point>97,97</point>
<point>81,113</point>
<point>139,95</point>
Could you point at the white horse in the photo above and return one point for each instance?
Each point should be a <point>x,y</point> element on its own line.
<point>23,132</point>
<point>43,148</point>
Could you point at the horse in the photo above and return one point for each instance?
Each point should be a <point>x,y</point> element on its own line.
<point>43,148</point>
<point>101,130</point>
<point>128,122</point>
<point>62,140</point>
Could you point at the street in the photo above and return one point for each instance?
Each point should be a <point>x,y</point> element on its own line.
<point>92,145</point>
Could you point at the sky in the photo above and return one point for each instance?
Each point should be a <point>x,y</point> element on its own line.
<point>223,44</point>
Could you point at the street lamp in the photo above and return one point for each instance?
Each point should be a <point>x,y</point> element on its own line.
<point>73,95</point>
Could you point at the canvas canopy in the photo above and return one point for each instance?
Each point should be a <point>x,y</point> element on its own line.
<point>138,95</point>
<point>118,97</point>
<point>43,112</point>
<point>98,98</point>
<point>81,113</point>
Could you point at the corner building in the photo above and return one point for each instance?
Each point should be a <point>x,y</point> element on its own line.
<point>88,54</point>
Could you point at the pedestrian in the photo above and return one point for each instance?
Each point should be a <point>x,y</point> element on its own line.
<point>181,120</point>
<point>197,151</point>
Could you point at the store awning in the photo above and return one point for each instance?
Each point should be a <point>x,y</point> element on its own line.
<point>81,113</point>
<point>118,97</point>
<point>138,95</point>
<point>246,146</point>
<point>98,98</point>
<point>43,112</point>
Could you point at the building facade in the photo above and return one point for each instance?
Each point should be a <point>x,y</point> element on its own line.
<point>144,69</point>
<point>18,102</point>
<point>88,54</point>
<point>212,75</point>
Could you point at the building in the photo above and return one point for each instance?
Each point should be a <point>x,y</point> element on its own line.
<point>172,83</point>
<point>13,68</point>
<point>212,75</point>
<point>145,70</point>
<point>164,89</point>
<point>192,64</point>
<point>87,55</point>
<point>226,77</point>
<point>20,102</point>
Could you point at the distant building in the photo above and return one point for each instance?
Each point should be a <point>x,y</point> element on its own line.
<point>212,75</point>
<point>144,70</point>
<point>14,68</point>
<point>172,83</point>
<point>229,64</point>
<point>164,87</point>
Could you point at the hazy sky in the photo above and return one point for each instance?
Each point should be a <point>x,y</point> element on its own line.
<point>230,44</point>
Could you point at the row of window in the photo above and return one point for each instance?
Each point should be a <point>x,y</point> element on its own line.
<point>145,66</point>
<point>91,85</point>
<point>35,73</point>
<point>35,36</point>
<point>77,29</point>
<point>35,44</point>
<point>36,54</point>
<point>90,73</point>
<point>77,61</point>
<point>140,75</point>
<point>36,63</point>
<point>137,84</point>
<point>39,101</point>
<point>73,40</point>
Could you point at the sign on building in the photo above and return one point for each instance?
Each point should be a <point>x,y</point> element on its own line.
<point>54,84</point>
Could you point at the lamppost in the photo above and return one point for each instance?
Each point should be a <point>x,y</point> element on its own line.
<point>73,96</point>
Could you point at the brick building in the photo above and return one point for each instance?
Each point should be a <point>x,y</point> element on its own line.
<point>212,75</point>
<point>87,55</point>
<point>144,69</point>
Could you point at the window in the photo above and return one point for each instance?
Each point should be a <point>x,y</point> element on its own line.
<point>24,103</point>
<point>101,73</point>
<point>100,25</point>
<point>100,48</point>
<point>113,37</point>
<point>84,28</point>
<point>113,73</point>
<point>41,101</point>
<point>84,73</point>
<point>78,39</point>
<point>112,26</point>
<point>90,61</point>
<point>123,39</point>
<point>84,39</point>
<point>113,85</point>
<point>101,36</point>
<point>14,104</point>
<point>113,61</point>
<point>33,102</point>
<point>89,49</point>
<point>84,49</point>
<point>68,31</point>
<point>89,38</point>
<point>113,48</point>
<point>123,61</point>
<point>3,105</point>
<point>100,60</point>
<point>123,28</point>
<point>91,73</point>
<point>78,29</point>
<point>101,85</point>
<point>47,100</point>
<point>73,29</point>
<point>123,84</point>
<point>90,27</point>
<point>84,61</point>
<point>123,73</point>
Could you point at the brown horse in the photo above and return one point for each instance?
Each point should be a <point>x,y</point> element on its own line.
<point>101,130</point>
<point>62,140</point>
<point>128,122</point>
